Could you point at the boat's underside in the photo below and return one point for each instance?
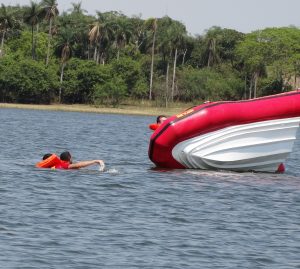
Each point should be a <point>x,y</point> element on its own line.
<point>259,146</point>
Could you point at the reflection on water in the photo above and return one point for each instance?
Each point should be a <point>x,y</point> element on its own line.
<point>132,215</point>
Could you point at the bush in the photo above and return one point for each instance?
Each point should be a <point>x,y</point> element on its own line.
<point>80,79</point>
<point>22,45</point>
<point>110,93</point>
<point>209,84</point>
<point>27,81</point>
<point>131,72</point>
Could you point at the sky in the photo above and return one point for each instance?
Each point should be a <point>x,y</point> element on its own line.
<point>199,15</point>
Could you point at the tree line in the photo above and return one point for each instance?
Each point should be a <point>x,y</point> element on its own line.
<point>73,57</point>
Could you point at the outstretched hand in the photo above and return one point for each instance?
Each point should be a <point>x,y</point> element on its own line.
<point>101,164</point>
<point>87,163</point>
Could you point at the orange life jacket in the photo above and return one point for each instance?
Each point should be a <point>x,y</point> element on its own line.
<point>153,126</point>
<point>50,162</point>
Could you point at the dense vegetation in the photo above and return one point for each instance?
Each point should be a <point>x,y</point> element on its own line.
<point>74,57</point>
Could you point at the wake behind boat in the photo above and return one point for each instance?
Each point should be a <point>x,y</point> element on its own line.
<point>248,135</point>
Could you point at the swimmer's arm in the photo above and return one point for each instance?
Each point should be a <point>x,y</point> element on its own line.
<point>83,164</point>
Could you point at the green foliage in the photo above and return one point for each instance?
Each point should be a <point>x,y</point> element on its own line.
<point>21,45</point>
<point>79,25</point>
<point>225,40</point>
<point>208,84</point>
<point>9,19</point>
<point>270,86</point>
<point>80,79</point>
<point>130,71</point>
<point>111,92</point>
<point>271,54</point>
<point>140,89</point>
<point>216,46</point>
<point>27,81</point>
<point>269,45</point>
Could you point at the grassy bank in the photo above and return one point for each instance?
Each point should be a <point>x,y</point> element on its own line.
<point>145,108</point>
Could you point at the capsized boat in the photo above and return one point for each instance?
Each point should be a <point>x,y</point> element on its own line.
<point>249,135</point>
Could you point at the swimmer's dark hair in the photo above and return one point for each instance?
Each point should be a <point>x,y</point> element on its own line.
<point>65,156</point>
<point>46,156</point>
<point>158,118</point>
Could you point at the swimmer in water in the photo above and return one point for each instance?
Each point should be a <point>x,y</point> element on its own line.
<point>65,162</point>
<point>159,120</point>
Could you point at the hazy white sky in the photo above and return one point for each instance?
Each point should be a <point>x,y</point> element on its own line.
<point>198,15</point>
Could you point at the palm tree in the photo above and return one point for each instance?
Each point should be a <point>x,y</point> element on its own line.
<point>81,23</point>
<point>212,42</point>
<point>94,37</point>
<point>32,16</point>
<point>51,11</point>
<point>102,31</point>
<point>154,29</point>
<point>165,48</point>
<point>139,35</point>
<point>65,56</point>
<point>213,56</point>
<point>177,34</point>
<point>123,33</point>
<point>107,39</point>
<point>7,21</point>
<point>170,39</point>
<point>77,9</point>
<point>64,46</point>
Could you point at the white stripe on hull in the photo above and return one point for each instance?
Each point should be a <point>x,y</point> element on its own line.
<point>259,146</point>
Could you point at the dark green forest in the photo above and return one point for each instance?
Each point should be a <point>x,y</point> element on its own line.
<point>48,56</point>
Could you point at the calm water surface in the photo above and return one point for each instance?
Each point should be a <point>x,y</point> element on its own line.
<point>131,215</point>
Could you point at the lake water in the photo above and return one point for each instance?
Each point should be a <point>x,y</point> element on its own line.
<point>131,215</point>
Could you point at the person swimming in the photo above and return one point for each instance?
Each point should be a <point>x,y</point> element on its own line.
<point>159,120</point>
<point>65,162</point>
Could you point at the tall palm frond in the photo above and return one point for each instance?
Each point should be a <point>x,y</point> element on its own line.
<point>32,16</point>
<point>101,34</point>
<point>77,8</point>
<point>64,48</point>
<point>7,22</point>
<point>51,11</point>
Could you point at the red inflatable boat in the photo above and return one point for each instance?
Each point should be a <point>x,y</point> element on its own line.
<point>249,135</point>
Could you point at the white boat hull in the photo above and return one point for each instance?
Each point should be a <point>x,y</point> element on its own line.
<point>260,146</point>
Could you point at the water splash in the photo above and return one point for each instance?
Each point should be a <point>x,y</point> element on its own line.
<point>101,167</point>
<point>113,171</point>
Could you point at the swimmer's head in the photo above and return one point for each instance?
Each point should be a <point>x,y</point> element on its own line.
<point>66,156</point>
<point>160,119</point>
<point>46,156</point>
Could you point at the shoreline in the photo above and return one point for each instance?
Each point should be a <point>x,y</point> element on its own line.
<point>122,110</point>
